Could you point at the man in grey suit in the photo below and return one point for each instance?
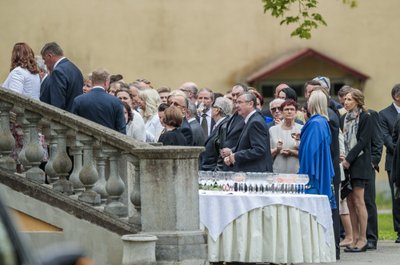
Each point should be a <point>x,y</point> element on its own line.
<point>387,119</point>
<point>197,130</point>
<point>65,81</point>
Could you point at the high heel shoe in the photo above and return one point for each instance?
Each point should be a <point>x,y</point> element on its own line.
<point>356,249</point>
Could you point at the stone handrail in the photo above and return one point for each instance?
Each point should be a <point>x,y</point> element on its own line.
<point>153,187</point>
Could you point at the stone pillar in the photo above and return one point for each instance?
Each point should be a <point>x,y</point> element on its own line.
<point>100,186</point>
<point>88,175</point>
<point>51,173</point>
<point>62,163</point>
<point>7,141</point>
<point>34,152</point>
<point>115,187</point>
<point>76,152</point>
<point>27,138</point>
<point>170,203</point>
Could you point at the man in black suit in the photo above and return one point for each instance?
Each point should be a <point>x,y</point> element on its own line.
<point>65,81</point>
<point>99,106</point>
<point>205,98</point>
<point>234,126</point>
<point>370,192</point>
<point>182,103</point>
<point>387,119</point>
<point>252,152</point>
<point>210,159</point>
<point>197,131</point>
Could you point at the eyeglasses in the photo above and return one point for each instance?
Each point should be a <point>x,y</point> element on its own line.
<point>176,104</point>
<point>275,109</point>
<point>241,102</point>
<point>289,109</point>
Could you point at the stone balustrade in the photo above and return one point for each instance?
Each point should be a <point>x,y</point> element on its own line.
<point>154,187</point>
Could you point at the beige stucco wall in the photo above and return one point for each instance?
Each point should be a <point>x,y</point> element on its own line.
<point>214,43</point>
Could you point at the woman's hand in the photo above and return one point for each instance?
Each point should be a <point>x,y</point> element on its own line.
<point>345,164</point>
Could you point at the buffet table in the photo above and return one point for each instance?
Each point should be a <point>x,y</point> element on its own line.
<point>278,228</point>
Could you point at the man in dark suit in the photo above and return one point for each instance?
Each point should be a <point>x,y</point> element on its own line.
<point>65,81</point>
<point>252,152</point>
<point>234,126</point>
<point>99,106</point>
<point>182,103</point>
<point>197,131</point>
<point>210,159</point>
<point>387,118</point>
<point>205,99</point>
<point>370,192</point>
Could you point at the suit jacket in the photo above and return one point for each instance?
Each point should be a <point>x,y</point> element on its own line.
<point>210,159</point>
<point>62,86</point>
<point>376,139</point>
<point>396,161</point>
<point>252,152</point>
<point>174,137</point>
<point>102,108</point>
<point>198,118</point>
<point>334,125</point>
<point>198,134</point>
<point>387,119</point>
<point>233,130</point>
<point>360,165</point>
<point>186,130</point>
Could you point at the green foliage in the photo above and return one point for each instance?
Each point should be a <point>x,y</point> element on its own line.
<point>305,16</point>
<point>385,227</point>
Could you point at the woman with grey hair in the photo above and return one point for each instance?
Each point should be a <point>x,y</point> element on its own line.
<point>210,160</point>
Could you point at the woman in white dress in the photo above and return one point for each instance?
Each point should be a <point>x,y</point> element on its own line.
<point>24,73</point>
<point>23,79</point>
<point>135,126</point>
<point>284,140</point>
<point>148,103</point>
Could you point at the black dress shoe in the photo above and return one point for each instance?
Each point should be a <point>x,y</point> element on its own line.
<point>398,239</point>
<point>356,249</point>
<point>371,245</point>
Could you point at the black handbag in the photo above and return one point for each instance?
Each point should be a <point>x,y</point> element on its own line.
<point>346,186</point>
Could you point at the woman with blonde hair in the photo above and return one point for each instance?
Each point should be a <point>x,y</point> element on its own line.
<point>148,103</point>
<point>314,150</point>
<point>356,127</point>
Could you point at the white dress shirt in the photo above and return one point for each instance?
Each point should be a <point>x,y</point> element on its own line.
<point>22,81</point>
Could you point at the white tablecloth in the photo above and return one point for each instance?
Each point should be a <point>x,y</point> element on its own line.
<point>280,228</point>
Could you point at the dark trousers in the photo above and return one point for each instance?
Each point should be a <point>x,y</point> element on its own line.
<point>395,207</point>
<point>370,204</point>
<point>336,220</point>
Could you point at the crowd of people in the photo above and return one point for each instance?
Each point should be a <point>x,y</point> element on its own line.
<point>332,142</point>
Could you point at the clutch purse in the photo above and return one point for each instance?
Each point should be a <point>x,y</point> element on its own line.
<point>346,187</point>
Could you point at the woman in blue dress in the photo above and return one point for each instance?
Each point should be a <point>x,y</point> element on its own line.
<point>314,150</point>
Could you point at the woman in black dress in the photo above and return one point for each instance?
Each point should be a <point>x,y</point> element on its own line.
<point>356,126</point>
<point>172,120</point>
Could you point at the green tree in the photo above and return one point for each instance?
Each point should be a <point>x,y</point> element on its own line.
<point>305,15</point>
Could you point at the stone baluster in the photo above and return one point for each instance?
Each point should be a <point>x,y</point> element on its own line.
<point>100,186</point>
<point>88,174</point>
<point>134,215</point>
<point>34,151</point>
<point>23,123</point>
<point>62,163</point>
<point>115,187</point>
<point>51,173</point>
<point>76,152</point>
<point>7,141</point>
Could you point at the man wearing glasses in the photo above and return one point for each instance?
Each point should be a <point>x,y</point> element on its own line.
<point>181,102</point>
<point>252,153</point>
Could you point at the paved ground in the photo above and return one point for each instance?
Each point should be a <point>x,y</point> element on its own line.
<point>388,253</point>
